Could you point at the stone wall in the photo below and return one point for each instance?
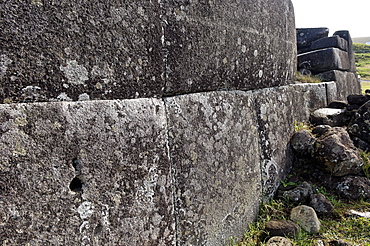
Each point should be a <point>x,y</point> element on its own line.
<point>109,49</point>
<point>329,58</point>
<point>188,161</point>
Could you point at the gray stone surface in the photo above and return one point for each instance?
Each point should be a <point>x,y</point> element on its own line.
<point>351,55</point>
<point>279,241</point>
<point>347,82</point>
<point>229,44</point>
<point>63,50</point>
<point>107,49</point>
<point>85,173</point>
<point>328,116</point>
<point>215,155</point>
<point>275,115</point>
<point>324,60</point>
<point>306,217</point>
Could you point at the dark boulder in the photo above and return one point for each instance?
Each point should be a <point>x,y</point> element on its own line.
<point>302,143</point>
<point>358,99</point>
<point>338,104</point>
<point>360,124</point>
<point>282,228</point>
<point>321,204</point>
<point>353,187</point>
<point>336,154</point>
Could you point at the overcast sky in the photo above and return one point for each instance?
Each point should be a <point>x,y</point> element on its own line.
<point>351,15</point>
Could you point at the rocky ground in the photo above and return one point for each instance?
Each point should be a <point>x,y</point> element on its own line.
<point>331,154</point>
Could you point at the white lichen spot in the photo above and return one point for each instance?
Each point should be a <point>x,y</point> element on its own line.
<point>140,10</point>
<point>76,74</point>
<point>224,60</point>
<point>239,41</point>
<point>255,53</point>
<point>19,150</point>
<point>83,97</point>
<point>63,97</point>
<point>85,210</point>
<point>37,2</point>
<point>260,73</point>
<point>20,121</point>
<point>4,62</point>
<point>66,86</point>
<point>244,48</point>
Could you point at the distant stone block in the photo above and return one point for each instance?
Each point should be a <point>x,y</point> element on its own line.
<point>347,82</point>
<point>334,41</point>
<point>351,56</point>
<point>85,173</point>
<point>305,36</point>
<point>216,161</point>
<point>324,60</point>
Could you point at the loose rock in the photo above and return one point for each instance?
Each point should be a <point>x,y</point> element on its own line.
<point>279,241</point>
<point>282,228</point>
<point>306,217</point>
<point>321,204</point>
<point>354,187</point>
<point>299,194</point>
<point>336,153</point>
<point>302,143</point>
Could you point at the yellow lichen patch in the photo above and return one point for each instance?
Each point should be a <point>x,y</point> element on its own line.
<point>19,150</point>
<point>37,2</point>
<point>21,121</point>
<point>8,100</point>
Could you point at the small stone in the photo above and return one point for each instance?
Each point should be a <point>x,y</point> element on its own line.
<point>354,187</point>
<point>320,129</point>
<point>282,228</point>
<point>302,143</point>
<point>321,204</point>
<point>306,217</point>
<point>300,193</point>
<point>279,241</point>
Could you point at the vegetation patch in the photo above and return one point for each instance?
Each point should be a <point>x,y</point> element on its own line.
<point>308,78</point>
<point>340,225</point>
<point>362,57</point>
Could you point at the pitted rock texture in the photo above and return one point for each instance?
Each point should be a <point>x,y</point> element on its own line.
<point>85,173</point>
<point>336,153</point>
<point>113,49</point>
<point>275,115</point>
<point>215,154</point>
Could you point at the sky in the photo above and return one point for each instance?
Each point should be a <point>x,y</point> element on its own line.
<point>351,15</point>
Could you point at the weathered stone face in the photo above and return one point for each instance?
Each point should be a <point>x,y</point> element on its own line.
<point>305,36</point>
<point>215,156</point>
<point>213,45</point>
<point>63,50</point>
<point>89,173</point>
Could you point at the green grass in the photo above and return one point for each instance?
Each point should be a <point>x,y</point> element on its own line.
<point>307,78</point>
<point>340,225</point>
<point>362,57</point>
<point>365,86</point>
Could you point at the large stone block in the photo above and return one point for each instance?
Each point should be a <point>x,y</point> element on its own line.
<point>305,36</point>
<point>63,50</point>
<point>229,44</point>
<point>334,41</point>
<point>347,82</point>
<point>215,153</point>
<point>324,60</point>
<point>85,173</point>
<point>68,50</point>
<point>275,114</point>
<point>351,55</point>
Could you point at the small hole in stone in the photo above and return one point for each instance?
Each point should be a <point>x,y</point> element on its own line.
<point>76,185</point>
<point>98,229</point>
<point>75,163</point>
